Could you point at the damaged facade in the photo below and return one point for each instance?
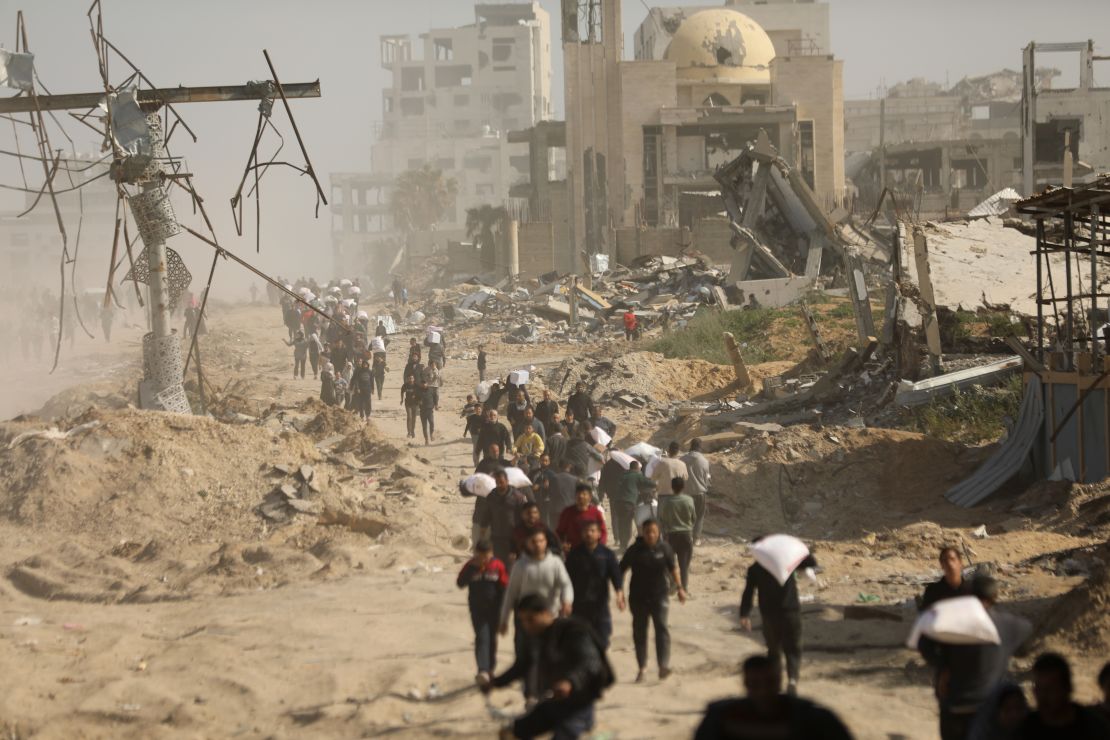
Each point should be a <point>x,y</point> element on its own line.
<point>643,138</point>
<point>943,151</point>
<point>454,95</point>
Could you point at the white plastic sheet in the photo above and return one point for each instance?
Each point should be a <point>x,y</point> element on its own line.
<point>518,478</point>
<point>962,620</point>
<point>480,484</point>
<point>17,70</point>
<point>780,554</point>
<point>130,126</point>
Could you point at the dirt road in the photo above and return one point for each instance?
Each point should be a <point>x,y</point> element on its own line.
<point>387,649</point>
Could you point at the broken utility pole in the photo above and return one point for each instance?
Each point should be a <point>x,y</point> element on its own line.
<point>135,131</point>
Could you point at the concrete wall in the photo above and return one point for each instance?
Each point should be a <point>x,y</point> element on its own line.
<point>908,119</point>
<point>593,109</point>
<point>655,88</point>
<point>633,242</point>
<point>1093,106</point>
<point>816,86</point>
<point>561,227</point>
<point>536,241</point>
<point>776,292</point>
<point>713,238</point>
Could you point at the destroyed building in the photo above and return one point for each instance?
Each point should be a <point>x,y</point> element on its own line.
<point>943,151</point>
<point>453,95</point>
<point>644,137</point>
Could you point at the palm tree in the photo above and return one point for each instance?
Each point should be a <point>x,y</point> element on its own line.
<point>421,199</point>
<point>484,225</point>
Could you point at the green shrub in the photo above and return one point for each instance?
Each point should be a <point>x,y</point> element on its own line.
<point>701,338</point>
<point>971,416</point>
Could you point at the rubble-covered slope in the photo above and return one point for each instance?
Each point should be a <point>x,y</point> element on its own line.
<point>139,506</point>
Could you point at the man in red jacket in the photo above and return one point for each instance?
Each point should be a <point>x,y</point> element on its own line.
<point>629,325</point>
<point>573,517</point>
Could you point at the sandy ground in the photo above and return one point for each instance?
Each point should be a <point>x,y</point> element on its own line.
<point>360,655</point>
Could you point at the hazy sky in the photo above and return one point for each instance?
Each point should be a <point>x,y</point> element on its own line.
<point>198,42</point>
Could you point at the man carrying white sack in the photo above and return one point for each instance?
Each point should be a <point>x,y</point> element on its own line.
<point>970,650</point>
<point>772,577</point>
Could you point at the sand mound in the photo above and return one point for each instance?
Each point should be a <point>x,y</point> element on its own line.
<point>1079,619</point>
<point>844,483</point>
<point>138,475</point>
<point>642,373</point>
<point>134,507</point>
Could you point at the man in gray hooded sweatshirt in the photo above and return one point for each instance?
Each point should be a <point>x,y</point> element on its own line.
<point>540,573</point>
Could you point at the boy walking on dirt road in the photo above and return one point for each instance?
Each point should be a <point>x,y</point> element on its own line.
<point>485,579</point>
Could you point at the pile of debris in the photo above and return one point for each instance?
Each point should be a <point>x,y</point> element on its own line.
<point>641,379</point>
<point>293,495</point>
<point>660,290</point>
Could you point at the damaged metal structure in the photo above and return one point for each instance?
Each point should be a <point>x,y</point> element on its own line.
<point>1063,430</point>
<point>782,235</point>
<point>144,171</point>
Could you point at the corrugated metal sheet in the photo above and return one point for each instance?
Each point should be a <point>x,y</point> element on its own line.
<point>1008,459</point>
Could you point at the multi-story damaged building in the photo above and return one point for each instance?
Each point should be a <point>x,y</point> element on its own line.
<point>454,95</point>
<point>643,137</point>
<point>942,151</point>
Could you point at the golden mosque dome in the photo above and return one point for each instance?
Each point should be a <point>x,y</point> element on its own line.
<point>721,45</point>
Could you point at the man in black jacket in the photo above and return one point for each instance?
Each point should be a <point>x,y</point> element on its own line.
<point>363,381</point>
<point>493,431</point>
<point>571,669</point>
<point>766,712</point>
<point>651,560</point>
<point>592,568</point>
<point>501,514</point>
<point>951,584</point>
<point>546,411</point>
<point>581,405</point>
<point>967,674</point>
<point>782,616</point>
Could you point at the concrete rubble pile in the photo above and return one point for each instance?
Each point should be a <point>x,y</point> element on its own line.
<point>659,290</point>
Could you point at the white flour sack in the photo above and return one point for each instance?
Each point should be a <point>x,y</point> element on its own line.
<point>959,621</point>
<point>780,554</point>
<point>518,478</point>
